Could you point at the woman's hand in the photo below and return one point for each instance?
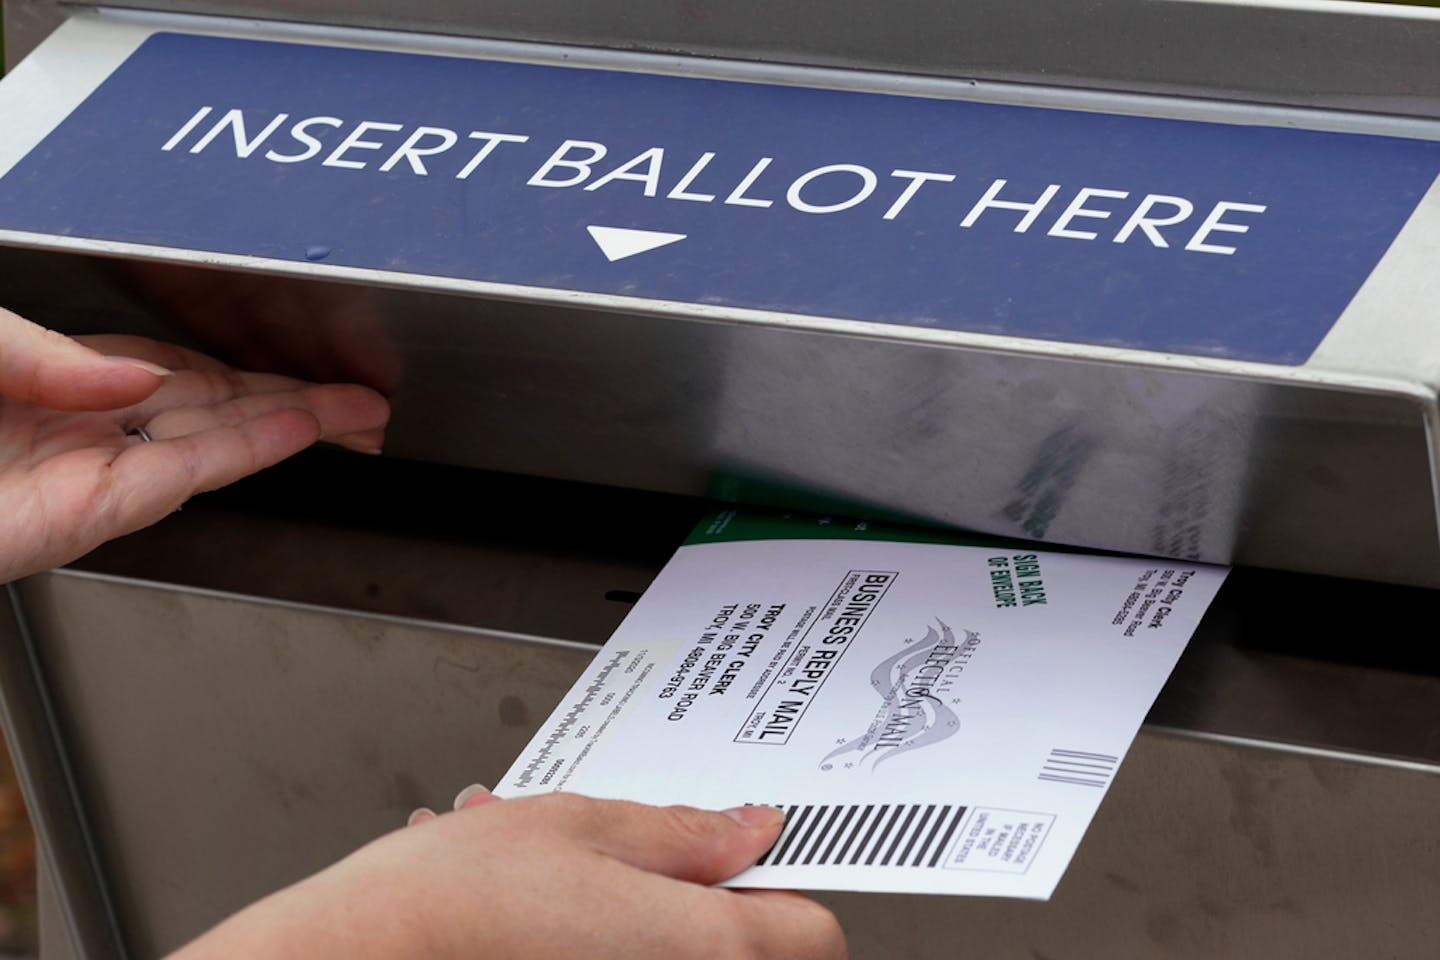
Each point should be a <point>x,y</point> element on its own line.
<point>540,878</point>
<point>553,876</point>
<point>73,470</point>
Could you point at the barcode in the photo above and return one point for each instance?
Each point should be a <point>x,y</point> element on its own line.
<point>878,834</point>
<point>1079,767</point>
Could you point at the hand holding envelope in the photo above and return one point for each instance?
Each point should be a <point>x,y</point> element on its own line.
<point>545,877</point>
<point>934,714</point>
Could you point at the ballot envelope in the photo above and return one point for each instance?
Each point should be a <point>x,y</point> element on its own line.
<point>1154,277</point>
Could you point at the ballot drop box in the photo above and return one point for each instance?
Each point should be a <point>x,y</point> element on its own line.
<point>1150,276</point>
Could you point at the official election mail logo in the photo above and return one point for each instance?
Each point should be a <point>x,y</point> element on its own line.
<point>916,688</point>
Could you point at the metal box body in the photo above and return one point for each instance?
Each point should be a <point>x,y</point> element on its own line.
<point>187,704</point>
<point>203,714</point>
<point>1326,465</point>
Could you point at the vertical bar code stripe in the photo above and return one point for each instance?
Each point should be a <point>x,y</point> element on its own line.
<point>934,832</point>
<point>1079,767</point>
<point>784,838</point>
<point>949,832</point>
<point>1083,783</point>
<point>809,832</point>
<point>917,832</point>
<point>1086,774</point>
<point>1085,756</point>
<point>884,834</point>
<point>912,835</point>
<point>808,856</point>
<point>859,827</point>
<point>900,835</point>
<point>869,832</point>
<point>840,832</point>
<point>799,821</point>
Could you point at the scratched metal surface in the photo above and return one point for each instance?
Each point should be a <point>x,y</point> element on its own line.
<point>1356,56</point>
<point>1228,463</point>
<point>1206,847</point>
<point>1282,758</point>
<point>268,716</point>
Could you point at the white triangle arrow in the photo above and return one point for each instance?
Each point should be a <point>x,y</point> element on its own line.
<point>617,243</point>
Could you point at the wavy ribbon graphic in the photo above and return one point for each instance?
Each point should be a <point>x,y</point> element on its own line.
<point>911,715</point>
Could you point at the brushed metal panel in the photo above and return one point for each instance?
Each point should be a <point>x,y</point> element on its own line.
<point>1349,55</point>
<point>1205,851</point>
<point>229,746</point>
<point>1121,457</point>
<point>1311,470</point>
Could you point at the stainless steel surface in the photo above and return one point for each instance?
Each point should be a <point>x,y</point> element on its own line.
<point>212,729</point>
<point>1329,470</point>
<point>269,736</point>
<point>1366,56</point>
<point>247,744</point>
<point>1127,458</point>
<point>1208,851</point>
<point>1280,658</point>
<point>187,750</point>
<point>55,939</point>
<point>65,844</point>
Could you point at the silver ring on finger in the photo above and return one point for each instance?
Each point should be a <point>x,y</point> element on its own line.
<point>142,433</point>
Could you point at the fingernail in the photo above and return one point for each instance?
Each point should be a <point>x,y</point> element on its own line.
<point>420,815</point>
<point>463,798</point>
<point>357,445</point>
<point>756,816</point>
<point>145,365</point>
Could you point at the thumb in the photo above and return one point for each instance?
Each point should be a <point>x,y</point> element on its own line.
<point>45,368</point>
<point>699,846</point>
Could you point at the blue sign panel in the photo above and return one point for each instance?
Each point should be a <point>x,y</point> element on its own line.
<point>1176,236</point>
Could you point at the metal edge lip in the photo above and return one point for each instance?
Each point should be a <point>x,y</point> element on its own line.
<point>1368,8</point>
<point>1406,764</point>
<point>1276,745</point>
<point>1420,393</point>
<point>1430,416</point>
<point>1398,275</point>
<point>137,25</point>
<point>38,748</point>
<point>1080,99</point>
<point>318,609</point>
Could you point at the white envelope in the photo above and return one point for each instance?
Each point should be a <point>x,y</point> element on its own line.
<point>934,717</point>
